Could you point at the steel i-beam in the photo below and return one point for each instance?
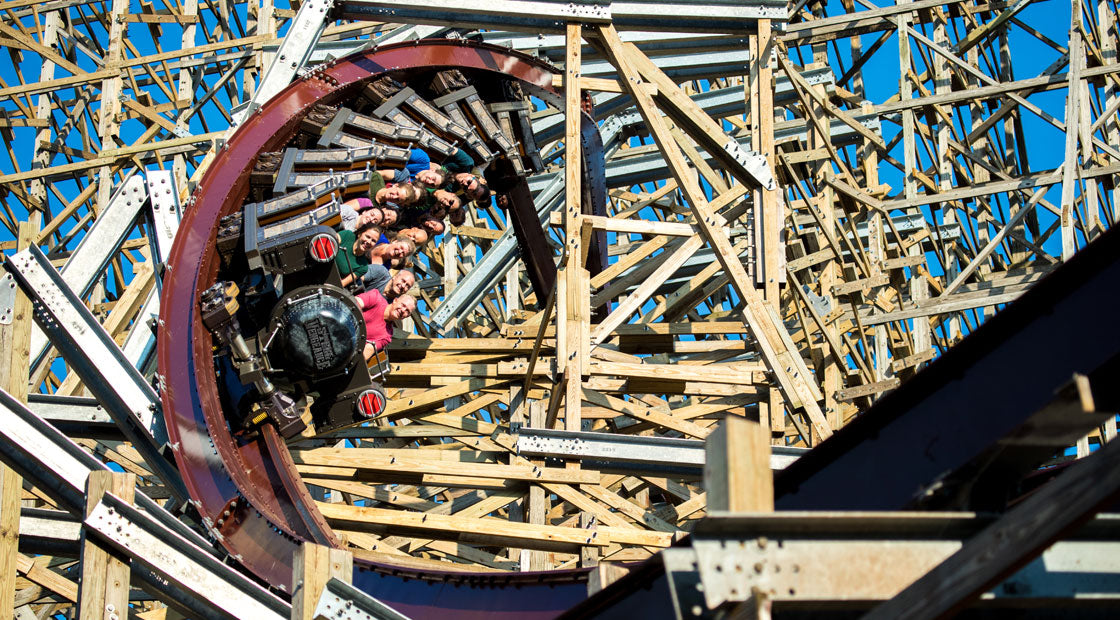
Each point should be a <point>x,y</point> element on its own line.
<point>92,353</point>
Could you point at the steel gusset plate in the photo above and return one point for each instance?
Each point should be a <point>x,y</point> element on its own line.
<point>250,494</point>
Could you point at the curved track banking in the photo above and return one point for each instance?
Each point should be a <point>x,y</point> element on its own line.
<point>249,494</point>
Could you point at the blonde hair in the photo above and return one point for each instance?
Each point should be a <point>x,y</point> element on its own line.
<point>408,242</point>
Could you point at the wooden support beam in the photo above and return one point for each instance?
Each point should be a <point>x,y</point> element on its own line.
<point>36,571</point>
<point>313,566</point>
<point>15,342</point>
<point>573,311</point>
<point>737,474</point>
<point>489,531</point>
<point>104,587</point>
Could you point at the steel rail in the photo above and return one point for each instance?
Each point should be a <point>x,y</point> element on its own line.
<point>249,493</point>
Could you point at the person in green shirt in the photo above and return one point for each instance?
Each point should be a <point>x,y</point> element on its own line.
<point>382,192</point>
<point>353,252</point>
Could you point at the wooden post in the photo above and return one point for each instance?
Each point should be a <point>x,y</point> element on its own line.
<point>15,340</point>
<point>52,24</point>
<point>537,509</point>
<point>737,475</point>
<point>572,313</point>
<point>768,214</point>
<point>757,607</point>
<point>605,574</point>
<point>314,566</point>
<point>1071,164</point>
<point>108,126</point>
<point>185,94</point>
<point>11,486</point>
<point>103,590</point>
<point>1107,24</point>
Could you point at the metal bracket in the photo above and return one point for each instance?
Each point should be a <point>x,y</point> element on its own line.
<point>163,199</point>
<point>588,12</point>
<point>7,298</point>
<point>752,162</point>
<point>823,305</point>
<point>342,601</point>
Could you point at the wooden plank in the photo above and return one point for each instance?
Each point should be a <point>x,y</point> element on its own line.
<point>713,373</point>
<point>373,460</point>
<point>868,389</point>
<point>628,508</point>
<point>487,530</point>
<point>37,571</point>
<point>107,157</point>
<point>633,226</point>
<point>401,407</point>
<point>644,413</point>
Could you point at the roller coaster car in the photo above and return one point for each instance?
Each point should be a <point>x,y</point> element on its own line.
<point>286,328</point>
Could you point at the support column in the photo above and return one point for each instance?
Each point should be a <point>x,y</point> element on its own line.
<point>737,475</point>
<point>573,309</point>
<point>942,81</point>
<point>1070,162</point>
<point>769,211</point>
<point>313,566</point>
<point>15,342</point>
<point>185,95</point>
<point>537,509</point>
<point>1108,37</point>
<point>108,125</point>
<point>103,590</point>
<point>52,23</point>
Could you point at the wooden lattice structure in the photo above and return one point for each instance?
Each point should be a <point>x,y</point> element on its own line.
<point>786,243</point>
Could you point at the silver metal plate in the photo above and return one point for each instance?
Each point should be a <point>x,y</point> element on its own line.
<point>7,298</point>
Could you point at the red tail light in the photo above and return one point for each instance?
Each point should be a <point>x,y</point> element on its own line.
<point>323,248</point>
<point>371,403</point>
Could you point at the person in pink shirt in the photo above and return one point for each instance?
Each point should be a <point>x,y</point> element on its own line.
<point>379,317</point>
